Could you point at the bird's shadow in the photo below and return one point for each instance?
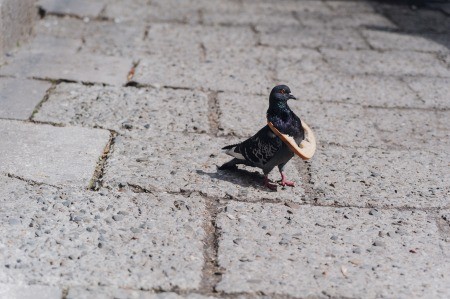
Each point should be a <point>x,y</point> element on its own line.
<point>238,176</point>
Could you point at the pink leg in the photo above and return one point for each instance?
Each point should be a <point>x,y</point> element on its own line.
<point>285,182</point>
<point>267,184</point>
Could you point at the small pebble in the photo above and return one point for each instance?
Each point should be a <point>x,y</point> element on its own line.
<point>75,218</point>
<point>379,243</point>
<point>135,230</point>
<point>117,217</point>
<point>356,250</point>
<point>13,221</point>
<point>374,212</point>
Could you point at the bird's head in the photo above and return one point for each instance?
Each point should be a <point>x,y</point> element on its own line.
<point>280,94</point>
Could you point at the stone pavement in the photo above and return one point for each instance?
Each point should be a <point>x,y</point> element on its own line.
<point>111,122</point>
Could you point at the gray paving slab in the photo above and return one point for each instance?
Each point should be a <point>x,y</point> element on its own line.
<point>252,13</point>
<point>350,7</point>
<point>9,291</point>
<point>155,11</point>
<point>367,90</point>
<point>80,8</point>
<point>188,162</point>
<point>418,20</point>
<point>288,6</point>
<point>393,63</point>
<point>80,238</point>
<point>333,252</point>
<point>52,155</point>
<point>18,97</point>
<point>385,41</point>
<point>371,177</point>
<point>106,293</point>
<point>212,37</point>
<point>411,129</point>
<point>98,37</point>
<point>127,110</point>
<point>341,123</point>
<point>310,37</point>
<point>240,69</point>
<point>232,69</point>
<point>348,19</point>
<point>66,66</point>
<point>297,65</point>
<point>432,91</point>
<point>16,24</point>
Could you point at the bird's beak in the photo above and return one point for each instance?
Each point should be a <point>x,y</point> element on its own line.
<point>292,97</point>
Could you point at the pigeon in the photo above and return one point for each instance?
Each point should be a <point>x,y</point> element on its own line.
<point>266,150</point>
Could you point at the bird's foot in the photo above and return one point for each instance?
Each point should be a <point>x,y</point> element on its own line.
<point>268,184</point>
<point>285,182</point>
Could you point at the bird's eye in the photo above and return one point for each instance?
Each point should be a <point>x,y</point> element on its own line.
<point>282,91</point>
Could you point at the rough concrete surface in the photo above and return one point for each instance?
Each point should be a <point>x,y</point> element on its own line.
<point>127,109</point>
<point>112,120</point>
<point>29,292</point>
<point>57,236</point>
<point>51,155</point>
<point>20,97</point>
<point>320,251</point>
<point>16,23</point>
<point>188,162</point>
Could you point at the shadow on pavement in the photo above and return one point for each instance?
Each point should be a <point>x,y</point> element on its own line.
<point>241,177</point>
<point>427,19</point>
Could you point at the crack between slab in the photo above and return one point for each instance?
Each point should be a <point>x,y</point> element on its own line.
<point>304,168</point>
<point>203,53</point>
<point>131,73</point>
<point>213,112</point>
<point>65,293</point>
<point>97,179</point>
<point>146,32</point>
<point>211,272</point>
<point>30,181</point>
<point>296,17</point>
<point>365,39</point>
<point>44,99</point>
<point>59,81</point>
<point>228,198</point>
<point>201,18</point>
<point>185,293</point>
<point>43,13</point>
<point>257,35</point>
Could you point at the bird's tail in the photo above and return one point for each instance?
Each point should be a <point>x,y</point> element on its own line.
<point>229,146</point>
<point>233,150</point>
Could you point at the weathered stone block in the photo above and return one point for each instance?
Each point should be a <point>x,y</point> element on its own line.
<point>310,37</point>
<point>80,8</point>
<point>188,162</point>
<point>338,252</point>
<point>19,97</point>
<point>80,238</point>
<point>29,292</point>
<point>380,177</point>
<point>393,63</point>
<point>59,65</point>
<point>127,110</point>
<point>52,155</point>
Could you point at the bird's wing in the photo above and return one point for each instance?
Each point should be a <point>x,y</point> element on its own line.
<point>260,148</point>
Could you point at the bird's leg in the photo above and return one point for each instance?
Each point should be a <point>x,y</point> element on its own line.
<point>268,184</point>
<point>285,182</point>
